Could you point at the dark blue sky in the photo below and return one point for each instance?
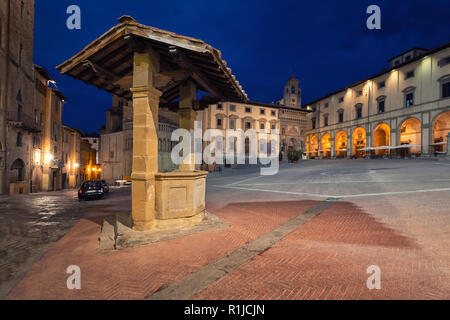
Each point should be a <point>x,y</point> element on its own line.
<point>325,43</point>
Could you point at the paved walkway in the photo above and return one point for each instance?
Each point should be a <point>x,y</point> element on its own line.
<point>393,214</point>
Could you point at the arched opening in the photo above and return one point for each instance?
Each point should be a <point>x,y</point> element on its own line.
<point>17,171</point>
<point>325,145</point>
<point>441,128</point>
<point>314,147</point>
<point>341,144</point>
<point>382,139</point>
<point>359,140</point>
<point>411,135</point>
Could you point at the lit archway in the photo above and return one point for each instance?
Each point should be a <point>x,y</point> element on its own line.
<point>325,145</point>
<point>359,140</point>
<point>411,134</point>
<point>441,128</point>
<point>341,144</point>
<point>381,139</point>
<point>314,147</point>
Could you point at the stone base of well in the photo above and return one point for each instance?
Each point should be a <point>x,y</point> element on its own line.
<point>180,195</point>
<point>117,233</point>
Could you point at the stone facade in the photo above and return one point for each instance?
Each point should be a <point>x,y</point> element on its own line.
<point>71,147</point>
<point>116,141</point>
<point>404,110</point>
<point>17,122</point>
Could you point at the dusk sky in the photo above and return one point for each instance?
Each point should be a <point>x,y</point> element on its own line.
<point>324,43</point>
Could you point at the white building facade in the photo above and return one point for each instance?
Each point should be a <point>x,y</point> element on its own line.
<point>401,111</point>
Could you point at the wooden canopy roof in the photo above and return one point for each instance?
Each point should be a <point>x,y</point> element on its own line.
<point>107,63</point>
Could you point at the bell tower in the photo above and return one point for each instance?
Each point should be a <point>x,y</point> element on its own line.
<point>292,93</point>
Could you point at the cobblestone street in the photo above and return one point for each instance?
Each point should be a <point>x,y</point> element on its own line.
<point>309,232</point>
<point>30,224</point>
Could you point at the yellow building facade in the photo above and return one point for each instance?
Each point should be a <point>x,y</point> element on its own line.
<point>402,111</point>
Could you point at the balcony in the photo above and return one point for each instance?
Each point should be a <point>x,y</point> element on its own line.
<point>23,121</point>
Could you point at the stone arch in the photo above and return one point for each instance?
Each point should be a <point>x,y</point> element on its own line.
<point>410,133</point>
<point>441,129</point>
<point>359,142</point>
<point>17,171</point>
<point>341,144</point>
<point>325,145</point>
<point>382,138</point>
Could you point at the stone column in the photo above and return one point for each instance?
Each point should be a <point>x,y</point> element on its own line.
<point>333,148</point>
<point>426,150</point>
<point>448,144</point>
<point>187,116</point>
<point>145,139</point>
<point>349,146</point>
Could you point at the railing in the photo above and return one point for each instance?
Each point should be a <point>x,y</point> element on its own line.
<point>23,120</point>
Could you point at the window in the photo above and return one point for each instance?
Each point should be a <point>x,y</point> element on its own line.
<point>248,110</point>
<point>19,112</point>
<point>20,54</point>
<point>444,61</point>
<point>219,106</point>
<point>381,84</point>
<point>313,123</point>
<point>325,120</point>
<point>293,89</point>
<point>248,125</point>
<point>283,131</point>
<point>219,122</point>
<point>273,113</point>
<point>56,105</point>
<point>358,111</point>
<point>232,107</point>
<point>55,131</point>
<point>262,111</point>
<point>446,90</point>
<point>232,124</point>
<point>273,127</point>
<point>381,106</point>
<point>341,99</point>
<point>409,74</point>
<point>341,116</point>
<point>19,140</point>
<point>409,99</point>
<point>326,104</point>
<point>55,150</point>
<point>111,154</point>
<point>408,58</point>
<point>359,94</point>
<point>262,126</point>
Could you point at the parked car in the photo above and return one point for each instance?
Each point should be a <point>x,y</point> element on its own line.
<point>105,186</point>
<point>91,189</point>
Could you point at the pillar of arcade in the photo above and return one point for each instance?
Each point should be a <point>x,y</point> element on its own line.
<point>448,144</point>
<point>145,139</point>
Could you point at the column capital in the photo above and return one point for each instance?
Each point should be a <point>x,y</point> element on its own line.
<point>145,91</point>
